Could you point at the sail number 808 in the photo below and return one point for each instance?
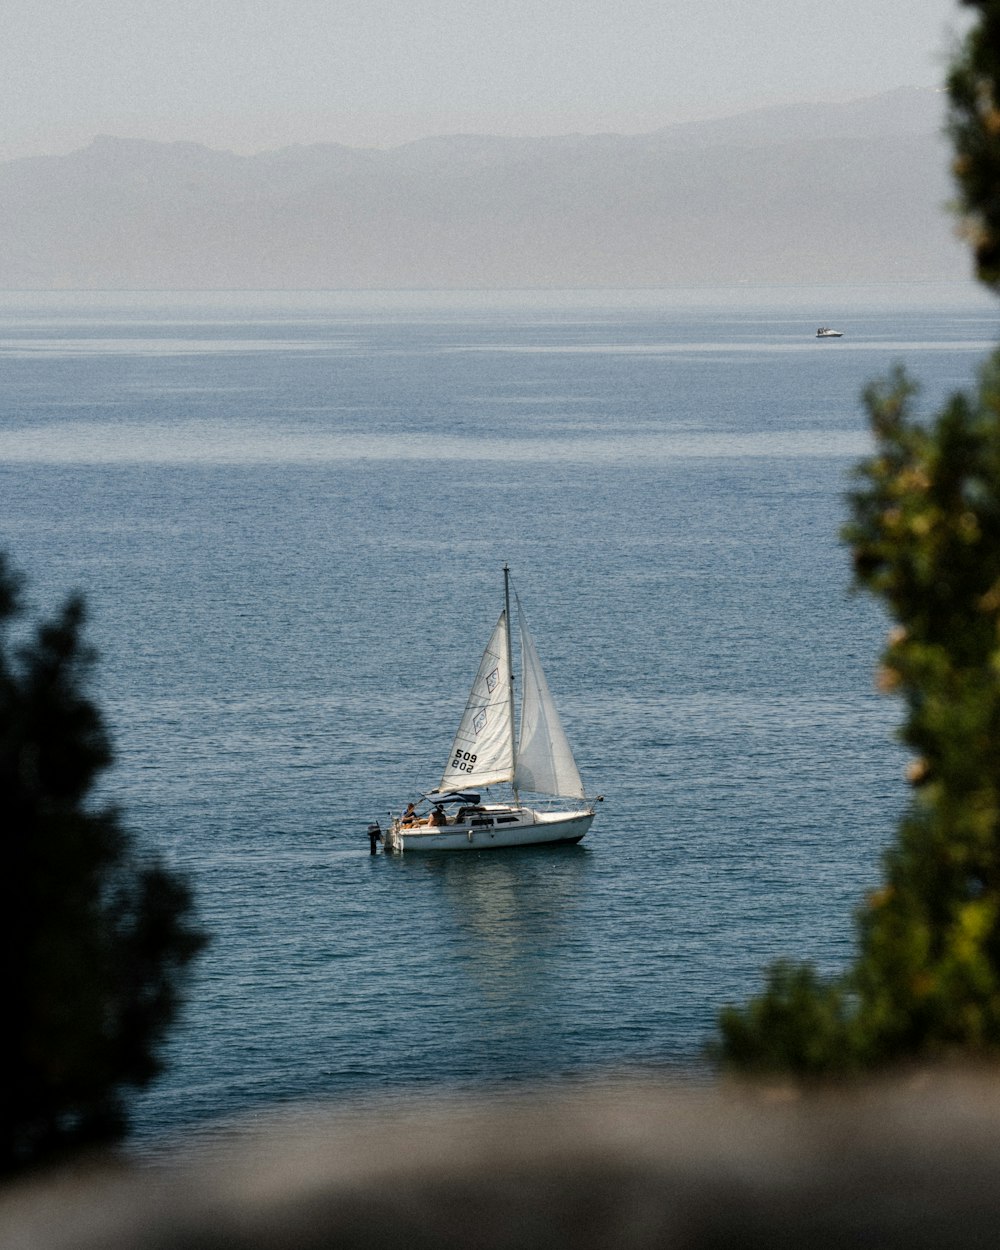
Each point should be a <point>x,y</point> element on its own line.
<point>464,761</point>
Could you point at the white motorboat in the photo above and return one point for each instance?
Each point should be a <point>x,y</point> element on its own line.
<point>457,815</point>
<point>824,332</point>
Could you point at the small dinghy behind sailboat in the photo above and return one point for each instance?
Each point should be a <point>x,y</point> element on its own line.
<point>457,816</point>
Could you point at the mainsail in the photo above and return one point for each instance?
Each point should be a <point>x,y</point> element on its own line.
<point>545,762</point>
<point>483,751</point>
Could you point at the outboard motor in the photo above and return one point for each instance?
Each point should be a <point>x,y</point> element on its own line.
<point>374,836</point>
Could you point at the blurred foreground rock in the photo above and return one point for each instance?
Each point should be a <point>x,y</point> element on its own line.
<point>914,1163</point>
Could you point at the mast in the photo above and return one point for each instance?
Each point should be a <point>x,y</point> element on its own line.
<point>510,674</point>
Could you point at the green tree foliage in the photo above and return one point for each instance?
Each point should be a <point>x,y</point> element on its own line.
<point>975,132</point>
<point>95,939</point>
<point>925,537</point>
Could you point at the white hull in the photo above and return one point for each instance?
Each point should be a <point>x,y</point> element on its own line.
<point>503,829</point>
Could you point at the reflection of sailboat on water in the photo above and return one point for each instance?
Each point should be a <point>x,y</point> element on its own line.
<point>510,913</point>
<point>486,753</point>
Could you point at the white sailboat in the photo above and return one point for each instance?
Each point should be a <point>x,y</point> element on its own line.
<point>456,816</point>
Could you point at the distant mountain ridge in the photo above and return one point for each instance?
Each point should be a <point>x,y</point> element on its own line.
<point>819,193</point>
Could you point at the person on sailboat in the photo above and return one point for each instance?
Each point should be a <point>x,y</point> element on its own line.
<point>437,816</point>
<point>409,817</point>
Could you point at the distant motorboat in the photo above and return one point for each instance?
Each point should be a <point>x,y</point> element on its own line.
<point>824,332</point>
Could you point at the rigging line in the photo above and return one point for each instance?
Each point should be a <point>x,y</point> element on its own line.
<point>513,716</point>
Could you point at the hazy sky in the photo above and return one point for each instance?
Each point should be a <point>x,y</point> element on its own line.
<point>250,75</point>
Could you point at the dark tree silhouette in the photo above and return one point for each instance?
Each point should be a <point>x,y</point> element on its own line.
<point>974,124</point>
<point>95,938</point>
<point>925,535</point>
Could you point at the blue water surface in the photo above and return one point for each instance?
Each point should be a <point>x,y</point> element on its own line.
<point>289,513</point>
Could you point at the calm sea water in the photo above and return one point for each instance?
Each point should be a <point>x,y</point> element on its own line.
<point>289,513</point>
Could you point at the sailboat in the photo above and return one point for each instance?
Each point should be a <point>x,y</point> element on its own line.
<point>456,815</point>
